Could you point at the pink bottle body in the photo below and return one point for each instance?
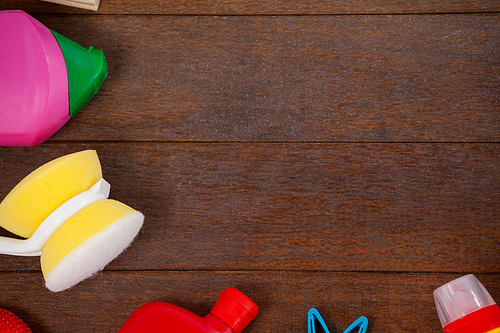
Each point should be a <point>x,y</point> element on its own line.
<point>34,100</point>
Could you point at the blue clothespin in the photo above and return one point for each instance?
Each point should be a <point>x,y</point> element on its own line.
<point>313,315</point>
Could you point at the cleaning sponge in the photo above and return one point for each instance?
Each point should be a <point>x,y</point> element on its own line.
<point>42,191</point>
<point>87,242</point>
<point>87,239</point>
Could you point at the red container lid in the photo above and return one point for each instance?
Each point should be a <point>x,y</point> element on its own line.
<point>235,309</point>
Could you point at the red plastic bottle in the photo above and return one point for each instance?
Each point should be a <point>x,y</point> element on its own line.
<point>465,306</point>
<point>231,314</point>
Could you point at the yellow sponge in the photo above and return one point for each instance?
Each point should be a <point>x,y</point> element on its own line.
<point>46,188</point>
<point>89,239</point>
<point>87,242</point>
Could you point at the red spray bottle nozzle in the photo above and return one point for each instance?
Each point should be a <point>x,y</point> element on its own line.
<point>235,309</point>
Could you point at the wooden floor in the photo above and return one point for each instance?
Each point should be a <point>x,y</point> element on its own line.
<point>329,154</point>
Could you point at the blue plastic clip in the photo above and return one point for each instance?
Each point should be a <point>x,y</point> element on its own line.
<point>313,315</point>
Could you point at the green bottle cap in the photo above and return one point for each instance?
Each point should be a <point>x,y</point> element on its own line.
<point>86,69</point>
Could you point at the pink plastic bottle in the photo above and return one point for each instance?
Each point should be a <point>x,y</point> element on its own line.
<point>45,79</point>
<point>231,314</point>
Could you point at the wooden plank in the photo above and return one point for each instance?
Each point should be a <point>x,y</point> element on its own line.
<point>391,302</point>
<point>341,79</point>
<point>253,7</point>
<point>333,207</point>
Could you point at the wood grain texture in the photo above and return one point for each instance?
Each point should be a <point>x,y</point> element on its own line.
<point>341,79</point>
<point>392,303</point>
<point>330,154</point>
<point>259,7</point>
<point>334,207</point>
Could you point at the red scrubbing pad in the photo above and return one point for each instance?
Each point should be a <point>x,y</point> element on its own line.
<point>10,323</point>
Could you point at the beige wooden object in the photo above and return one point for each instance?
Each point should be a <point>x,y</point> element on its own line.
<point>84,4</point>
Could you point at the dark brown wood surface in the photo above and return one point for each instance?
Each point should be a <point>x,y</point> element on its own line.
<point>328,78</point>
<point>261,7</point>
<point>327,154</point>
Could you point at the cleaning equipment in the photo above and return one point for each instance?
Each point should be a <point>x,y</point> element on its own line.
<point>313,316</point>
<point>63,210</point>
<point>465,306</point>
<point>45,79</point>
<point>231,314</point>
<point>10,323</point>
<point>89,4</point>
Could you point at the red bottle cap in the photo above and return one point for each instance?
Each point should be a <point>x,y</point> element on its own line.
<point>235,309</point>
